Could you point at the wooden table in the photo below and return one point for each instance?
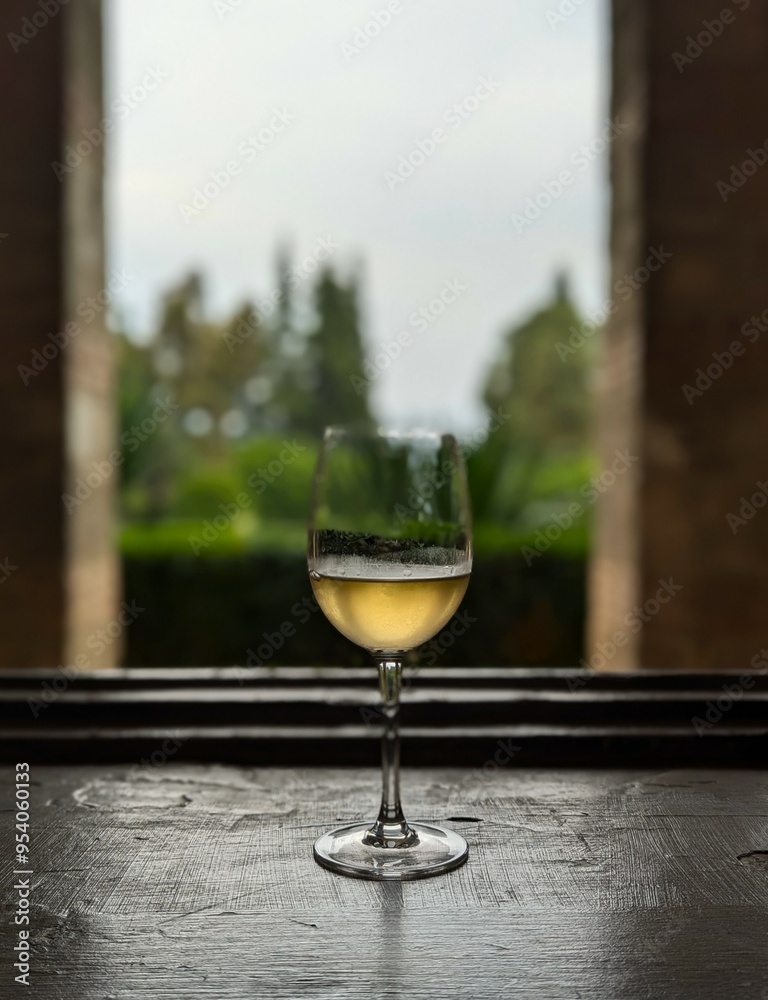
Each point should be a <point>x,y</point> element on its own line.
<point>187,881</point>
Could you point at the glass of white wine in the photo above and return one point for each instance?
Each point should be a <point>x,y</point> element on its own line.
<point>390,554</point>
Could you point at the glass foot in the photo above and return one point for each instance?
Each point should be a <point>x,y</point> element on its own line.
<point>433,851</point>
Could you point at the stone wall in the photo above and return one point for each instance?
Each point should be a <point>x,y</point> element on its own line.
<point>685,370</point>
<point>57,401</point>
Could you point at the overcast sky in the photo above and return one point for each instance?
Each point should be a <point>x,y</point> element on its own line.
<point>222,70</point>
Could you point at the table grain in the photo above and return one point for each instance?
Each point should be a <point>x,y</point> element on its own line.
<point>187,881</point>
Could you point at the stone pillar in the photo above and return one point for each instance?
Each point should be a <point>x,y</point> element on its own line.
<point>60,581</point>
<point>684,376</point>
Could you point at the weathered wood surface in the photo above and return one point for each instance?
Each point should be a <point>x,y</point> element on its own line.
<point>198,881</point>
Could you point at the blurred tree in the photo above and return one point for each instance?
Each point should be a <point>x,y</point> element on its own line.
<point>207,367</point>
<point>260,375</point>
<point>319,389</point>
<point>285,344</point>
<point>547,398</point>
<point>134,399</point>
<point>153,450</point>
<point>543,403</point>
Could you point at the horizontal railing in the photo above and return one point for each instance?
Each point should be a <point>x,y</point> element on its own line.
<point>452,716</point>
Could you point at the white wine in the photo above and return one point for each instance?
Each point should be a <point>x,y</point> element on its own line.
<point>389,553</point>
<point>389,615</point>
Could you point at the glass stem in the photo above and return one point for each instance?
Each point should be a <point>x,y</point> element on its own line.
<point>391,828</point>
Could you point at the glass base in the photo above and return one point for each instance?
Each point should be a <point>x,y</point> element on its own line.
<point>434,850</point>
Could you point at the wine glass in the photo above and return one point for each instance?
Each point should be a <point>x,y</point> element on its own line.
<point>389,556</point>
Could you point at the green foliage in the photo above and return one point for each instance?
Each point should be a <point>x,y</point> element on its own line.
<point>534,465</point>
<point>171,538</point>
<point>201,491</point>
<point>548,399</point>
<point>265,384</point>
<point>317,389</point>
<point>280,489</point>
<point>241,389</point>
<point>154,452</point>
<point>537,461</point>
